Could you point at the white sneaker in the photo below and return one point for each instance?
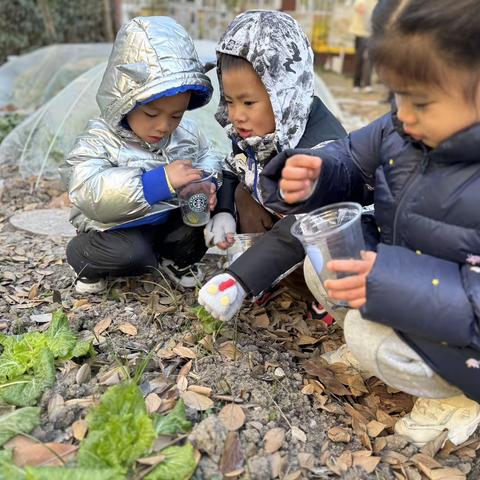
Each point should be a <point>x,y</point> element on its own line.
<point>429,417</point>
<point>187,277</point>
<point>367,89</point>
<point>344,355</point>
<point>356,89</point>
<point>84,285</point>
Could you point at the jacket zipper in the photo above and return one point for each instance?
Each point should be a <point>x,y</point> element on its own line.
<point>420,169</point>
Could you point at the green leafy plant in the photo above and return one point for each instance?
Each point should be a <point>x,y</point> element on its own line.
<point>27,365</point>
<point>173,423</point>
<point>179,464</point>
<point>120,431</point>
<point>209,324</point>
<point>23,420</point>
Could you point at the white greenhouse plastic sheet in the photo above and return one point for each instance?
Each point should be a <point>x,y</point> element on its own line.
<point>27,81</point>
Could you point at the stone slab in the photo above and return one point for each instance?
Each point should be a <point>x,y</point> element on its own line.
<point>51,222</point>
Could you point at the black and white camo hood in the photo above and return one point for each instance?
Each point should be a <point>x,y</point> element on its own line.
<point>280,53</point>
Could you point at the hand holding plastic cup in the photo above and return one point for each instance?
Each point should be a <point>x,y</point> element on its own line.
<point>333,232</point>
<point>194,200</point>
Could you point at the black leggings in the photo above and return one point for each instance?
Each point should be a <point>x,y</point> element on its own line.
<point>134,251</point>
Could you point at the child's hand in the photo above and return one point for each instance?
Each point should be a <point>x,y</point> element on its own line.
<point>181,172</point>
<point>212,202</point>
<point>299,176</point>
<point>219,230</point>
<point>352,289</point>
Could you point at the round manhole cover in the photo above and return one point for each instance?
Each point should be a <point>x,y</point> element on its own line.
<point>52,222</point>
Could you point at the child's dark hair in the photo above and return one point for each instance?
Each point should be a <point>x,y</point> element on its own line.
<point>413,40</point>
<point>230,62</point>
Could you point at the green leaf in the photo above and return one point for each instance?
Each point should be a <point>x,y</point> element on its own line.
<point>64,473</point>
<point>179,464</point>
<point>25,371</point>
<point>23,420</point>
<point>60,338</point>
<point>8,470</point>
<point>173,423</point>
<point>25,390</point>
<point>120,431</point>
<point>20,353</point>
<point>83,348</point>
<point>209,323</point>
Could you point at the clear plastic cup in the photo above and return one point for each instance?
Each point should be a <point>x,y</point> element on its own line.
<point>194,199</point>
<point>329,233</point>
<point>243,241</point>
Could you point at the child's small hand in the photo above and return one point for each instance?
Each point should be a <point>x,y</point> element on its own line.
<point>181,172</point>
<point>219,230</point>
<point>299,176</point>
<point>352,289</point>
<point>212,202</point>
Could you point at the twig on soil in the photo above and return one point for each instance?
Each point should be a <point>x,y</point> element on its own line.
<point>278,407</point>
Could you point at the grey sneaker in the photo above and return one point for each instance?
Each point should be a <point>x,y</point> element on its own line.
<point>85,285</point>
<point>187,277</point>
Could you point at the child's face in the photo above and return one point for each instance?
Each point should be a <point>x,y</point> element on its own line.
<point>248,103</point>
<point>431,114</point>
<point>155,120</point>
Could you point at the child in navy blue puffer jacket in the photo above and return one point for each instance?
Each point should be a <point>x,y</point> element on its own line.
<point>415,303</point>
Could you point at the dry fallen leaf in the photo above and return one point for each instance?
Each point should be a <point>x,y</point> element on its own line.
<point>182,383</point>
<point>306,460</point>
<point>83,302</point>
<point>229,350</point>
<point>200,389</point>
<point>342,464</point>
<point>232,416</point>
<point>184,352</point>
<point>261,321</point>
<point>298,434</point>
<point>274,439</point>
<point>112,377</point>
<point>152,402</point>
<point>196,401</point>
<point>83,374</point>
<point>128,328</point>
<point>101,326</point>
<point>369,464</point>
<point>374,428</point>
<point>79,429</point>
<point>278,464</point>
<point>445,473</point>
<point>232,459</point>
<point>338,434</point>
<point>185,370</point>
<point>165,353</point>
<point>433,446</point>
<point>40,454</point>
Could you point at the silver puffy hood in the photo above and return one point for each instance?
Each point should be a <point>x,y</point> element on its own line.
<point>151,57</point>
<point>280,53</point>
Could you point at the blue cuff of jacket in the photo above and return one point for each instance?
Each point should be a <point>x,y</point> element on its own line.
<point>419,295</point>
<point>155,186</point>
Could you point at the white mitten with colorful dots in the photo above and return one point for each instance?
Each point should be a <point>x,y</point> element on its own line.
<point>222,296</point>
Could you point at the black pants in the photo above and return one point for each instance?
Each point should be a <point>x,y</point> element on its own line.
<point>362,76</point>
<point>133,251</point>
